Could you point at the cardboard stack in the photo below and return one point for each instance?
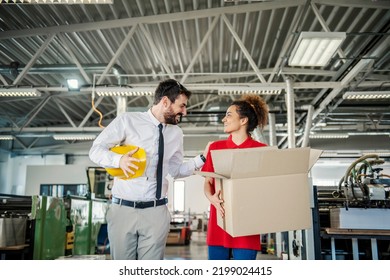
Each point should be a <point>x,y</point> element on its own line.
<point>264,189</point>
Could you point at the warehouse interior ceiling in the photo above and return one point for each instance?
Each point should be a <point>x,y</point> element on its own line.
<point>217,49</point>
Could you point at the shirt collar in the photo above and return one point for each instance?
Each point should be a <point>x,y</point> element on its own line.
<point>231,145</point>
<point>153,118</point>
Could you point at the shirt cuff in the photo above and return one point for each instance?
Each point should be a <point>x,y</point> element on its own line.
<point>116,159</point>
<point>198,162</point>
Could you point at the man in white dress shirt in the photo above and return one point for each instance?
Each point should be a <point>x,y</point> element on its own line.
<point>138,219</point>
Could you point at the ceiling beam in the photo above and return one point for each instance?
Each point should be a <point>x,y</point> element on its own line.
<point>117,54</point>
<point>355,3</point>
<point>33,59</point>
<point>344,83</point>
<point>243,49</point>
<point>109,24</point>
<point>158,54</point>
<point>197,53</point>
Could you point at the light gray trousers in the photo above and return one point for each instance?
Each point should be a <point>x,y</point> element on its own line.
<point>137,234</point>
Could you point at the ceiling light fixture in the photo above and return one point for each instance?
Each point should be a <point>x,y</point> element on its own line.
<point>250,90</point>
<point>124,91</point>
<point>366,95</point>
<point>57,2</point>
<point>369,133</point>
<point>19,92</point>
<point>329,136</point>
<point>315,48</point>
<point>6,137</point>
<point>73,84</point>
<point>79,137</point>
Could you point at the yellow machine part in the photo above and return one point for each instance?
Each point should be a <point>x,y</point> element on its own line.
<point>69,240</point>
<point>140,154</point>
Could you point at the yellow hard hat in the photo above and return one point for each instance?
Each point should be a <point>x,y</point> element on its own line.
<point>140,154</point>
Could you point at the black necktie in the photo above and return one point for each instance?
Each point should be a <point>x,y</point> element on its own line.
<point>160,161</point>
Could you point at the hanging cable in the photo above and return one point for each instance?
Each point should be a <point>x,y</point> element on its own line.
<point>97,111</point>
<point>93,104</point>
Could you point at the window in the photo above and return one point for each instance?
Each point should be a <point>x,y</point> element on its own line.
<point>178,196</point>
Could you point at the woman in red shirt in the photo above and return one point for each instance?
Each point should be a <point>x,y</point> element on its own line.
<point>242,117</point>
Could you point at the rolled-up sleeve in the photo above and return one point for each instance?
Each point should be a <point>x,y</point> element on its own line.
<point>180,169</point>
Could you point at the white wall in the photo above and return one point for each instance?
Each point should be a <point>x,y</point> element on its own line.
<point>13,171</point>
<point>195,200</point>
<point>53,174</point>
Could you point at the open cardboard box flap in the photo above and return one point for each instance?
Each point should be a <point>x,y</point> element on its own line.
<point>261,162</point>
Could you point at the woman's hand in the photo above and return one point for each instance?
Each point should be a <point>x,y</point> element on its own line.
<point>218,203</point>
<point>214,198</point>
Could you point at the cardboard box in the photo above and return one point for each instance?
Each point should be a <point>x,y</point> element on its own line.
<point>265,190</point>
<point>173,238</point>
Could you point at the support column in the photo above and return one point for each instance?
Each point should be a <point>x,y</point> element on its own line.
<point>290,113</point>
<point>272,129</point>
<point>309,120</point>
<point>121,105</point>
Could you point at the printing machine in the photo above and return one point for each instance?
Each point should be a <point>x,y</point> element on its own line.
<point>16,227</point>
<point>358,209</point>
<point>46,227</point>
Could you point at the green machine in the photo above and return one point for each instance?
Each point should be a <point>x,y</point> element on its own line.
<point>50,225</point>
<point>71,225</point>
<point>66,226</point>
<point>86,217</point>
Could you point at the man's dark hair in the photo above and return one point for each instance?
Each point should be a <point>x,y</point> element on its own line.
<point>171,89</point>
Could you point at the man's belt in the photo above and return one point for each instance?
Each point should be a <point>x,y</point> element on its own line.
<point>140,204</point>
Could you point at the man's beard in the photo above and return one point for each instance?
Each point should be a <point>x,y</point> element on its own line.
<point>170,117</point>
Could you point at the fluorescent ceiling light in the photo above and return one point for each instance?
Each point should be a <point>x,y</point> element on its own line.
<point>124,91</point>
<point>79,137</point>
<point>315,48</point>
<point>329,136</point>
<point>73,83</point>
<point>371,133</point>
<point>250,90</point>
<point>366,95</point>
<point>19,92</point>
<point>6,137</point>
<point>57,1</point>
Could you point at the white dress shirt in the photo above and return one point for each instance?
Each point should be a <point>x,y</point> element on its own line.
<point>141,129</point>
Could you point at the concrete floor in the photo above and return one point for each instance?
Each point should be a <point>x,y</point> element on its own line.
<point>197,250</point>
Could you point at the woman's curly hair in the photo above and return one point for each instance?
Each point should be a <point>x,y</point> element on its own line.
<point>254,108</point>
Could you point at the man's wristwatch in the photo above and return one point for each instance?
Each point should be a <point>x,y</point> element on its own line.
<point>203,158</point>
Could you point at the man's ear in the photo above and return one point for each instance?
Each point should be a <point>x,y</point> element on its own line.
<point>165,101</point>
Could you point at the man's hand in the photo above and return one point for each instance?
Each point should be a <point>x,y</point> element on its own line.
<point>126,162</point>
<point>206,150</point>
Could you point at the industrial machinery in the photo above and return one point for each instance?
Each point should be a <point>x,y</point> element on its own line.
<point>364,184</point>
<point>16,227</point>
<point>64,220</point>
<point>358,209</point>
